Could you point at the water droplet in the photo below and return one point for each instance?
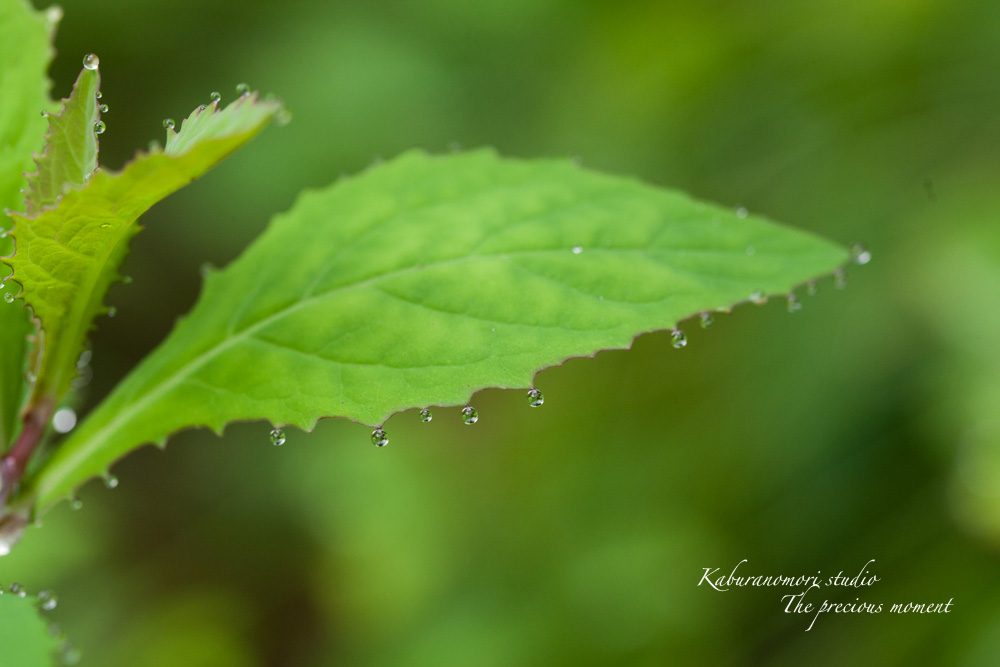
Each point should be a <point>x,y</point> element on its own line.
<point>112,311</point>
<point>47,601</point>
<point>794,305</point>
<point>425,415</point>
<point>379,438</point>
<point>104,108</point>
<point>91,61</point>
<point>678,339</point>
<point>811,288</point>
<point>54,14</point>
<point>577,249</point>
<point>840,279</point>
<point>110,481</point>
<point>99,127</point>
<point>99,95</point>
<point>168,123</point>
<point>742,212</point>
<point>216,96</point>
<point>75,503</point>
<point>860,254</point>
<point>17,589</point>
<point>202,107</point>
<point>64,420</point>
<point>243,89</point>
<point>706,320</point>
<point>469,415</point>
<point>277,437</point>
<point>535,398</point>
<point>3,233</point>
<point>45,114</point>
<point>758,297</point>
<point>8,297</point>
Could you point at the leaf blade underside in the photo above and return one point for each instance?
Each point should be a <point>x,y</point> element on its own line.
<point>425,280</point>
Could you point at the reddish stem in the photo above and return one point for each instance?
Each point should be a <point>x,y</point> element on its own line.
<point>15,461</point>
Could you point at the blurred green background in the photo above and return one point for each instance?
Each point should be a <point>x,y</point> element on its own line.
<point>865,426</point>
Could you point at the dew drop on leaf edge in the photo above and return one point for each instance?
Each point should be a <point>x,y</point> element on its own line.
<point>99,127</point>
<point>379,438</point>
<point>678,339</point>
<point>47,600</point>
<point>425,415</point>
<point>242,89</point>
<point>17,589</point>
<point>104,108</point>
<point>277,437</point>
<point>469,415</point>
<point>91,61</point>
<point>860,254</point>
<point>793,304</point>
<point>168,123</point>
<point>706,320</point>
<point>110,481</point>
<point>535,398</point>
<point>8,297</point>
<point>216,96</point>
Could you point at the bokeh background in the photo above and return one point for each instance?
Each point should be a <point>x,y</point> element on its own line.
<point>865,426</point>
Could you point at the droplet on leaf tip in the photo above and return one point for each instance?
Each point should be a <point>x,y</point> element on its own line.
<point>469,415</point>
<point>425,415</point>
<point>860,254</point>
<point>216,96</point>
<point>277,437</point>
<point>535,398</point>
<point>379,438</point>
<point>706,320</point>
<point>242,89</point>
<point>110,481</point>
<point>168,123</point>
<point>91,61</point>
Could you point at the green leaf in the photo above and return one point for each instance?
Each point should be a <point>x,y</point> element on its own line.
<point>70,155</point>
<point>425,280</point>
<point>68,257</point>
<point>25,53</point>
<point>25,640</point>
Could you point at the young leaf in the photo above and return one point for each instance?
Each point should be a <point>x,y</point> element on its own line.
<point>25,640</point>
<point>25,53</point>
<point>70,147</point>
<point>425,280</point>
<point>68,256</point>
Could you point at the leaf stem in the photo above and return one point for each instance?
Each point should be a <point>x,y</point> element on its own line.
<point>13,464</point>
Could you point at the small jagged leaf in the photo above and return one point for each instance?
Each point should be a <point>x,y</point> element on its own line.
<point>68,256</point>
<point>25,53</point>
<point>25,640</point>
<point>425,280</point>
<point>70,155</point>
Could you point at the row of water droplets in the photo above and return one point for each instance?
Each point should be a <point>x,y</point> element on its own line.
<point>469,416</point>
<point>242,90</point>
